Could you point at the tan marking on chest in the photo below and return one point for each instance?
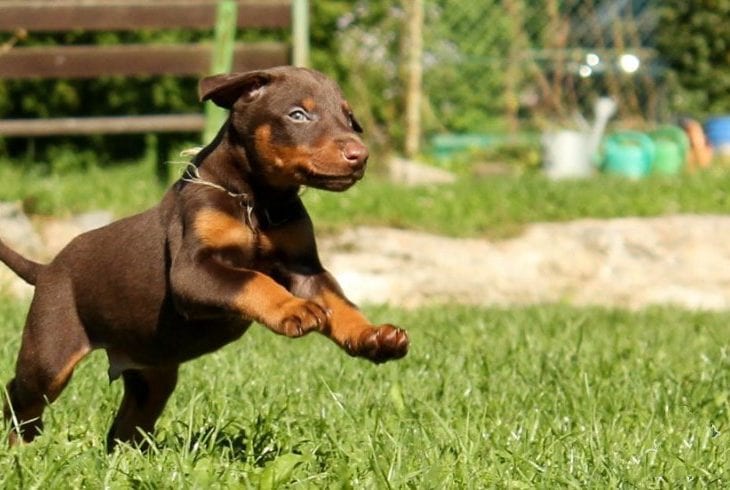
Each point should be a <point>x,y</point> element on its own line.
<point>293,239</point>
<point>219,230</point>
<point>265,245</point>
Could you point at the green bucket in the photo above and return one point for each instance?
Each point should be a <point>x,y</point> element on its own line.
<point>446,146</point>
<point>671,146</point>
<point>628,153</point>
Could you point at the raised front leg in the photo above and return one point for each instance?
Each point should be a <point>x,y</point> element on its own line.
<point>347,326</point>
<point>250,294</point>
<point>207,274</point>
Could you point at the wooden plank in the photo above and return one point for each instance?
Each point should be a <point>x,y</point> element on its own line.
<point>175,123</point>
<point>126,15</point>
<point>132,60</point>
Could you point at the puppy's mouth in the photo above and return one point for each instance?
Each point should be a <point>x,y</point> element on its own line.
<point>333,181</point>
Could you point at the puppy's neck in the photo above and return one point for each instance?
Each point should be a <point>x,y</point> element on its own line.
<point>226,163</point>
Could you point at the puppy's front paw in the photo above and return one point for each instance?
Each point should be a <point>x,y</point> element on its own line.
<point>299,317</point>
<point>381,344</point>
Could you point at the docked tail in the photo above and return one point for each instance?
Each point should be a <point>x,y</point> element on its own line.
<point>26,269</point>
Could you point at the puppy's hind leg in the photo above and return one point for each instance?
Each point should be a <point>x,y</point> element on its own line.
<point>53,343</point>
<point>146,392</point>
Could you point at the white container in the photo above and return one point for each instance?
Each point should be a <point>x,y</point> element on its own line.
<point>567,154</point>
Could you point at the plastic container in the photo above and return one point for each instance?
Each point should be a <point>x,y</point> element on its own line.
<point>717,130</point>
<point>670,150</point>
<point>566,154</point>
<point>628,153</point>
<point>446,146</point>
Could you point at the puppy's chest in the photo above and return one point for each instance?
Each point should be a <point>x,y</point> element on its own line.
<point>234,242</point>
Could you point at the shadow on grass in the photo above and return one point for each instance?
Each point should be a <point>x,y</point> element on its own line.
<point>256,445</point>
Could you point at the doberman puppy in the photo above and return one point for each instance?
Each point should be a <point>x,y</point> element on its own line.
<point>230,243</point>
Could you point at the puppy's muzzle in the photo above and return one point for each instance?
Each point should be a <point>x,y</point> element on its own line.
<point>356,155</point>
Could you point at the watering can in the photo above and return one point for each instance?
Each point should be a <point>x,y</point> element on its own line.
<point>628,153</point>
<point>570,153</point>
<point>670,149</point>
<point>566,154</point>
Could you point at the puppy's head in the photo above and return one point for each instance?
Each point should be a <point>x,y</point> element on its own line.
<point>295,125</point>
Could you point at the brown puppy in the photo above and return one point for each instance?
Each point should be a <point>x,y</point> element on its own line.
<point>230,243</point>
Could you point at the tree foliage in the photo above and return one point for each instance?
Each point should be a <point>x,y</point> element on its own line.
<point>693,38</point>
<point>472,54</point>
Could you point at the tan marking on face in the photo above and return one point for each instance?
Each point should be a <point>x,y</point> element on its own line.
<point>294,155</point>
<point>309,104</point>
<point>264,148</point>
<point>278,154</point>
<point>219,230</point>
<point>288,165</point>
<point>285,161</point>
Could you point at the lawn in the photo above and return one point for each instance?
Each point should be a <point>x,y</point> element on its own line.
<point>546,396</point>
<point>497,206</point>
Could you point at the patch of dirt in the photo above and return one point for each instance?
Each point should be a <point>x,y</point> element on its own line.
<point>628,262</point>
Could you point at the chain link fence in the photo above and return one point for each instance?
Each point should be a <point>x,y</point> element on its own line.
<point>488,66</point>
<point>511,64</point>
<point>508,66</point>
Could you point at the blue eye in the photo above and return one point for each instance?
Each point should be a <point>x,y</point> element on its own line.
<point>298,115</point>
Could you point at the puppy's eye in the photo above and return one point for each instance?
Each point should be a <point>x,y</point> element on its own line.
<point>354,124</point>
<point>298,115</point>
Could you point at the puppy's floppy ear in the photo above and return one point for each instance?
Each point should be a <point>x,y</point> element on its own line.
<point>226,89</point>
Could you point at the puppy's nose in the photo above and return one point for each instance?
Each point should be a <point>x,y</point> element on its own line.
<point>355,153</point>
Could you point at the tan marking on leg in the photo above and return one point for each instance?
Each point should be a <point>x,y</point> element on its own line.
<point>351,331</point>
<point>260,299</point>
<point>267,302</point>
<point>28,414</point>
<point>60,380</point>
<point>346,323</point>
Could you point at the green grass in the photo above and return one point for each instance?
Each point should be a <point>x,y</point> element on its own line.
<point>545,397</point>
<point>123,188</point>
<point>498,206</point>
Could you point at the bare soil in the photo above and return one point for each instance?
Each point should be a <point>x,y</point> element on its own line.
<point>629,262</point>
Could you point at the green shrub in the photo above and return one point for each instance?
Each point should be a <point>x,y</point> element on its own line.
<point>694,40</point>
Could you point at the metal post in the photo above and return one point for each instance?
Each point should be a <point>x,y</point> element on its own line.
<point>300,32</point>
<point>221,62</point>
<point>414,74</point>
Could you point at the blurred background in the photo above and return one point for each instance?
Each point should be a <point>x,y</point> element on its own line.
<point>433,78</point>
<point>546,211</point>
<point>484,119</point>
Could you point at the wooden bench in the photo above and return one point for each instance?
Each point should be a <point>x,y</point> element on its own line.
<point>22,18</point>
